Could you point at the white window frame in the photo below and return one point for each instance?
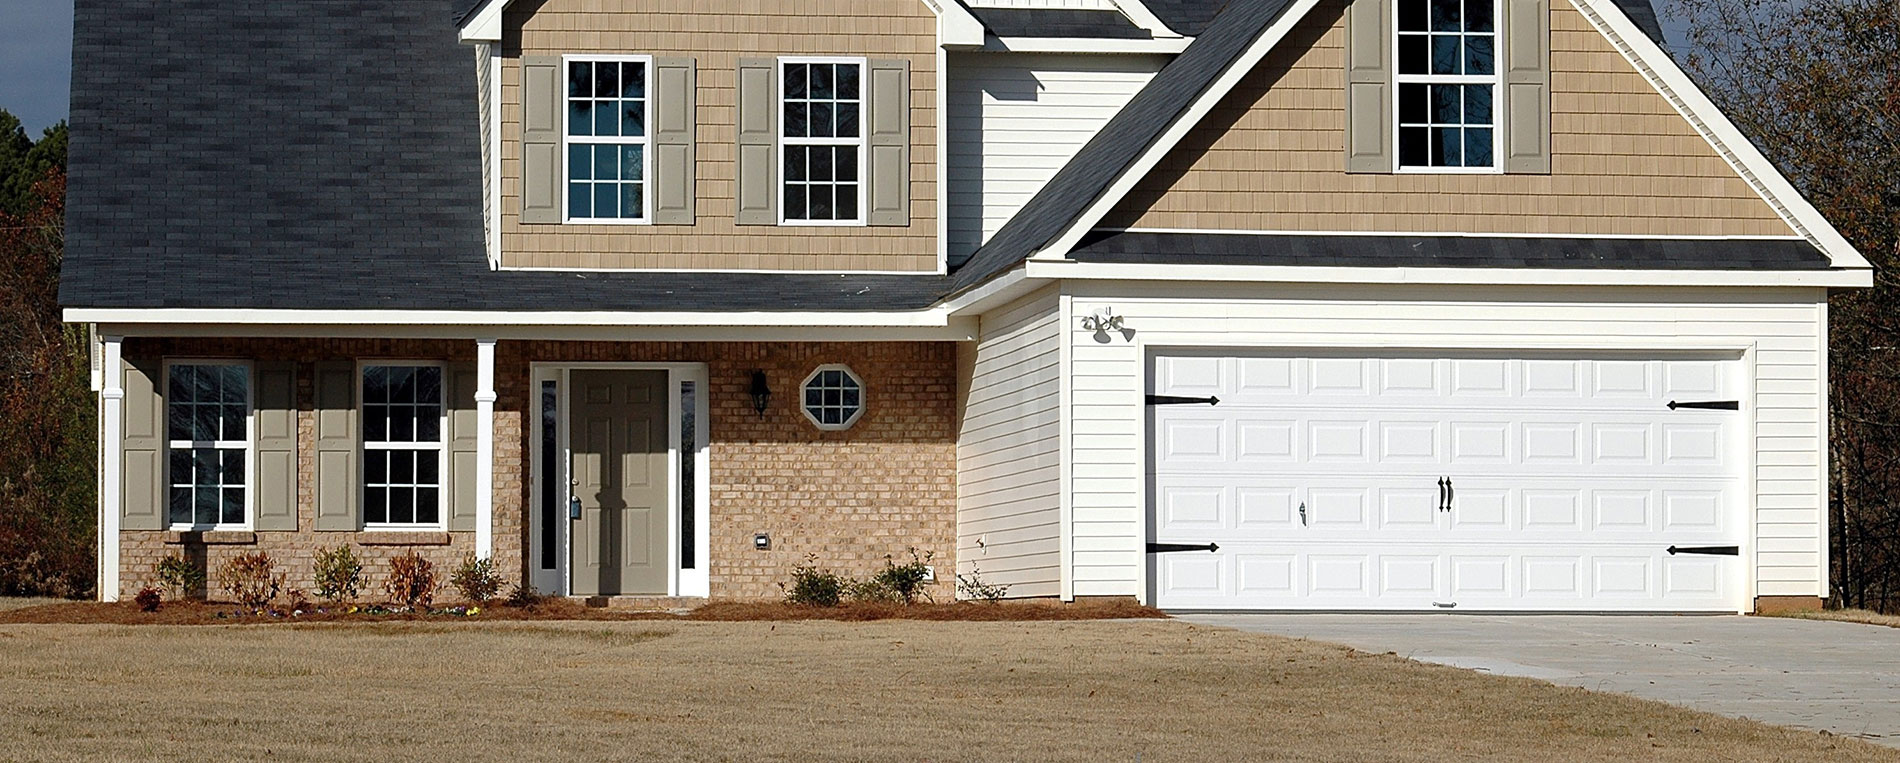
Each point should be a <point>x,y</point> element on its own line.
<point>864,397</point>
<point>444,480</point>
<point>249,444</point>
<point>1495,79</point>
<point>646,139</point>
<point>778,117</point>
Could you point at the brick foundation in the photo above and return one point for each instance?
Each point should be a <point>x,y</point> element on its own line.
<point>885,485</point>
<point>1781,605</point>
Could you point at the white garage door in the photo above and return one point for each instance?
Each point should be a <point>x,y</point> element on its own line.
<point>1414,483</point>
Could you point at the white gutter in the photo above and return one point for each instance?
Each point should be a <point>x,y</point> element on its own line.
<point>1835,278</point>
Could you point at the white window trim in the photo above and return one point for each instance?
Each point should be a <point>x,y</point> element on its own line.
<point>1495,79</point>
<point>864,397</point>
<point>778,117</point>
<point>646,139</point>
<point>444,480</point>
<point>249,445</point>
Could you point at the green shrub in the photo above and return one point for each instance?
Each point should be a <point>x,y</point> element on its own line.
<point>905,582</point>
<point>525,596</point>
<point>974,587</point>
<point>476,579</point>
<point>814,587</point>
<point>251,579</point>
<point>412,582</point>
<point>873,591</point>
<point>339,574</point>
<point>184,577</point>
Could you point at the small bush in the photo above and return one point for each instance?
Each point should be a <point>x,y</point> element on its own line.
<point>184,577</point>
<point>814,587</point>
<point>412,582</point>
<point>873,591</point>
<point>296,600</point>
<point>973,586</point>
<point>905,582</point>
<point>149,598</point>
<point>339,575</point>
<point>476,579</point>
<point>525,596</point>
<point>252,580</point>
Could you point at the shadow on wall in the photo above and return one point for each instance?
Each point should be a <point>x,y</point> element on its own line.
<point>968,108</point>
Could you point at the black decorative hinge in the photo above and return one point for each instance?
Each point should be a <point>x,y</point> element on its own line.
<point>1710,405</point>
<point>1175,400</point>
<point>1710,550</point>
<point>1165,548</point>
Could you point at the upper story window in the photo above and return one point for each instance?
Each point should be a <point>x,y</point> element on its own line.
<point>403,453</point>
<point>208,434</point>
<point>821,138</point>
<point>607,139</point>
<point>1447,78</point>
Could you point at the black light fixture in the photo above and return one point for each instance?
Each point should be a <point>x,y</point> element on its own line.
<point>761,394</point>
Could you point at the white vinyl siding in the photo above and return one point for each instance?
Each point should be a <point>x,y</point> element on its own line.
<point>1780,335</point>
<point>1016,118</point>
<point>1008,470</point>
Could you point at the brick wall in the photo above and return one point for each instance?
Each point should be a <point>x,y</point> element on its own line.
<point>850,497</point>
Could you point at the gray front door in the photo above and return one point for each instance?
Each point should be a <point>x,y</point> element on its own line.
<point>617,425</point>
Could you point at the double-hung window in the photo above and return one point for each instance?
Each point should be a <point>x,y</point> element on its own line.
<point>403,452</point>
<point>821,140</point>
<point>208,437</point>
<point>1447,81</point>
<point>607,157</point>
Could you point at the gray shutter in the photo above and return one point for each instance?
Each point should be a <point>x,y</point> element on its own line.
<point>142,479</point>
<point>1369,123</point>
<point>275,487</point>
<point>462,439</point>
<point>674,120</point>
<point>337,486</point>
<point>541,96</point>
<point>1526,121</point>
<point>887,143</point>
<point>756,172</point>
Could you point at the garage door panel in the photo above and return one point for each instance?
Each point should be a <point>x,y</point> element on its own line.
<point>1319,479</point>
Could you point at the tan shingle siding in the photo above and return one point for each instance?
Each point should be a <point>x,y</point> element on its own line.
<point>1270,157</point>
<point>716,33</point>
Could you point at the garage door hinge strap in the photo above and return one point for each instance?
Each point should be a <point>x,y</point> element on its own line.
<point>1163,548</point>
<point>1709,405</point>
<point>1176,400</point>
<point>1710,550</point>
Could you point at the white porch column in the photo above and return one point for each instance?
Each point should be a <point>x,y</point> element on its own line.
<point>111,485</point>
<point>485,448</point>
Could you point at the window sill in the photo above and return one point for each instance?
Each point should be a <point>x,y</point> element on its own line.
<point>211,537</point>
<point>403,538</point>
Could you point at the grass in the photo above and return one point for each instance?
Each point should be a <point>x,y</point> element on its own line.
<point>889,690</point>
<point>9,603</point>
<point>57,612</point>
<point>1862,616</point>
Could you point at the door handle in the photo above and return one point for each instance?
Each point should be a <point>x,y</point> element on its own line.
<point>1441,493</point>
<point>1302,513</point>
<point>1451,495</point>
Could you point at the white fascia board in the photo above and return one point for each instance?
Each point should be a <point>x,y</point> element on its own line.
<point>995,292</point>
<point>1138,12</point>
<point>1164,45</point>
<point>484,25</point>
<point>957,27</point>
<point>1681,92</point>
<point>931,318</point>
<point>1287,274</point>
<point>1146,162</point>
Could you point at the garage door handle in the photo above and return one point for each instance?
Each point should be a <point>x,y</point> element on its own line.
<point>1709,405</point>
<point>1709,550</point>
<point>1178,400</point>
<point>1168,548</point>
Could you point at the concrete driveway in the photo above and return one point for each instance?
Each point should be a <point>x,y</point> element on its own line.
<point>1839,677</point>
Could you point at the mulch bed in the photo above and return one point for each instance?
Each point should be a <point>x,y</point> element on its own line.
<point>215,613</point>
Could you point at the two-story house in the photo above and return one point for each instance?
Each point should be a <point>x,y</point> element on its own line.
<point>1218,304</point>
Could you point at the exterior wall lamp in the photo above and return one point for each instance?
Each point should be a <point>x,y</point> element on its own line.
<point>761,393</point>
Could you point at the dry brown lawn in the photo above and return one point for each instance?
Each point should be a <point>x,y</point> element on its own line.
<point>1862,616</point>
<point>9,603</point>
<point>889,690</point>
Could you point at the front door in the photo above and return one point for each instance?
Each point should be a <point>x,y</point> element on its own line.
<point>617,425</point>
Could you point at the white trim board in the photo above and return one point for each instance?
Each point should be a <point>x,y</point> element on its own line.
<point>956,26</point>
<point>1649,60</point>
<point>1837,278</point>
<point>934,317</point>
<point>1445,234</point>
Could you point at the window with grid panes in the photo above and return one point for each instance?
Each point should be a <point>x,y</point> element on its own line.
<point>208,442</point>
<point>821,140</point>
<point>1447,82</point>
<point>403,449</point>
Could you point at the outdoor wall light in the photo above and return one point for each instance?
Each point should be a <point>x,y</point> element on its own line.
<point>761,393</point>
<point>762,541</point>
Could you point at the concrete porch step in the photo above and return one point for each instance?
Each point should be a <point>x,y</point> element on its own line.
<point>646,603</point>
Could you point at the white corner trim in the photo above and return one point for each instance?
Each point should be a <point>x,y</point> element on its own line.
<point>485,448</point>
<point>1162,45</point>
<point>1236,71</point>
<point>484,25</point>
<point>1138,12</point>
<point>1836,278</point>
<point>494,156</point>
<point>112,487</point>
<point>956,26</point>
<point>1681,92</point>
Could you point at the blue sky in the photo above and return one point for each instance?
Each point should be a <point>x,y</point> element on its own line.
<point>36,53</point>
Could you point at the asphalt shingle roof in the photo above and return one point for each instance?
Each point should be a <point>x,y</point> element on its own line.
<point>1449,251</point>
<point>1059,22</point>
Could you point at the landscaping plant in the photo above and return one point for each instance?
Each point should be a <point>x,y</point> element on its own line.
<point>252,580</point>
<point>905,582</point>
<point>412,582</point>
<point>975,587</point>
<point>339,574</point>
<point>148,599</point>
<point>814,587</point>
<point>476,579</point>
<point>184,577</point>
